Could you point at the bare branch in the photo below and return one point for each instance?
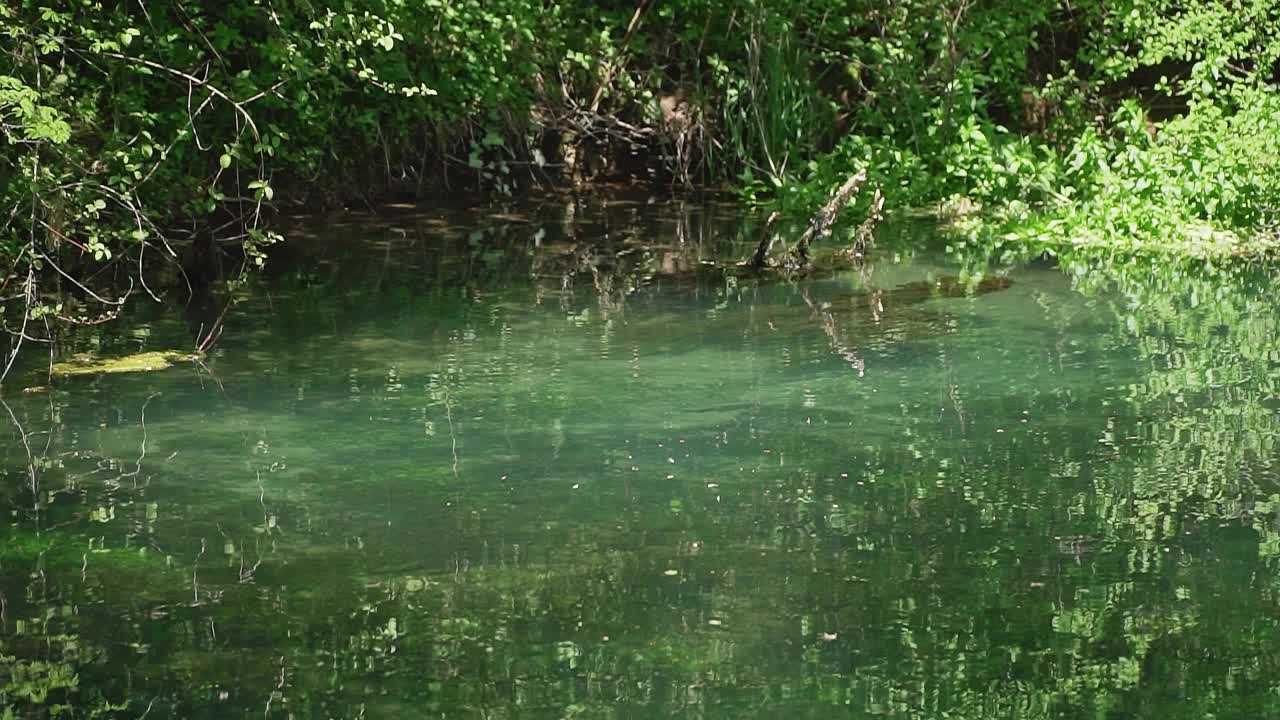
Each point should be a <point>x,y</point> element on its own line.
<point>239,106</point>
<point>820,225</point>
<point>30,295</point>
<point>87,291</point>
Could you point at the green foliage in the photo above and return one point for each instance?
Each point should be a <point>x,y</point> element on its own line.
<point>1142,122</point>
<point>1089,165</point>
<point>1205,184</point>
<point>771,113</point>
<point>121,122</point>
<point>32,121</point>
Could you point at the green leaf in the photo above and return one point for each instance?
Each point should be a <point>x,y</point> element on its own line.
<point>224,161</point>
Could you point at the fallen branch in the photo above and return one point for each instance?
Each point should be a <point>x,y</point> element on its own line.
<point>206,341</point>
<point>820,225</point>
<point>862,236</point>
<point>761,256</point>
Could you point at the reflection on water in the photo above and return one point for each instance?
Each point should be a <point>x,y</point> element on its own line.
<point>551,463</point>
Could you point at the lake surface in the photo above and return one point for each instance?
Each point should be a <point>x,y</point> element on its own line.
<point>549,463</point>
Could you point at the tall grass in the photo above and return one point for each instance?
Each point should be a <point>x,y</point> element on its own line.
<point>770,113</point>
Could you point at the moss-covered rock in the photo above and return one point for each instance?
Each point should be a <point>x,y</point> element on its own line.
<point>85,364</point>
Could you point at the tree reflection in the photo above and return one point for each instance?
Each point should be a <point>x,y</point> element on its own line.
<point>517,469</point>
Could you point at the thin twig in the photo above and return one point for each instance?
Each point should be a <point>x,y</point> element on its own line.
<point>29,293</point>
<point>610,68</point>
<point>87,291</point>
<point>239,106</point>
<point>31,460</point>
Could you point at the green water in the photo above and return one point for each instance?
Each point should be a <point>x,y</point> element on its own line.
<point>436,466</point>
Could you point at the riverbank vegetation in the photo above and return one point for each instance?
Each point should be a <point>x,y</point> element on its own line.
<point>142,135</point>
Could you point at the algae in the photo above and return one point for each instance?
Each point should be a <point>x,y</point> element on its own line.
<point>85,364</point>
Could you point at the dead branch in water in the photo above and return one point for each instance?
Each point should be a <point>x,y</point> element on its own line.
<point>820,226</point>
<point>862,236</point>
<point>761,256</point>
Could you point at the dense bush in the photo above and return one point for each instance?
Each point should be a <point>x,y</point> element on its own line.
<point>135,132</point>
<point>1143,124</point>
